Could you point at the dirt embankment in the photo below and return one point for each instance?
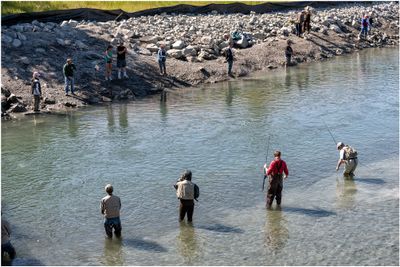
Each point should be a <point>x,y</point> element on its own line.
<point>196,47</point>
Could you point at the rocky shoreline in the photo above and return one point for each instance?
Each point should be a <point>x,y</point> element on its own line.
<point>195,46</point>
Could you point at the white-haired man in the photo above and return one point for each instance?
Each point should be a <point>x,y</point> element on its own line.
<point>348,156</point>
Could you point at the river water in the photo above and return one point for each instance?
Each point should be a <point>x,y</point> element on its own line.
<point>54,169</point>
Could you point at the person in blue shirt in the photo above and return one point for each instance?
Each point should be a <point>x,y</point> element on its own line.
<point>162,57</point>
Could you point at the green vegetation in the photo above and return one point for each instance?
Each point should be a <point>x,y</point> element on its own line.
<point>14,7</point>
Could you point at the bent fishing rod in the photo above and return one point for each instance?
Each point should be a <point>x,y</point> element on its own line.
<point>266,162</point>
<point>333,138</point>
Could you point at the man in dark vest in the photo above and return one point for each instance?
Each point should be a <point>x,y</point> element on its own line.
<point>275,177</point>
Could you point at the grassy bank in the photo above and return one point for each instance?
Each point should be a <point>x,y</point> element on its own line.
<point>14,7</point>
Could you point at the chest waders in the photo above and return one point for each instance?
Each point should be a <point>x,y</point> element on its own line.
<point>275,187</point>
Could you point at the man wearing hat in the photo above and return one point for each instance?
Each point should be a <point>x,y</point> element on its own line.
<point>348,156</point>
<point>36,90</point>
<point>110,207</point>
<point>187,192</point>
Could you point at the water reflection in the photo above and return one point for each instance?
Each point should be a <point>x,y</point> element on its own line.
<point>187,243</point>
<point>345,193</point>
<point>110,118</point>
<point>163,111</point>
<point>123,115</point>
<point>229,95</point>
<point>276,231</point>
<point>72,125</point>
<point>112,253</point>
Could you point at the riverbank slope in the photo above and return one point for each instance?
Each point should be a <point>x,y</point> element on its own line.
<point>195,53</point>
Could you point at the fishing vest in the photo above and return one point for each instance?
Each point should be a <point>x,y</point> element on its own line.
<point>185,190</point>
<point>349,152</point>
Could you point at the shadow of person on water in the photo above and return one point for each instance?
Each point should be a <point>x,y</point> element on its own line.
<point>221,228</point>
<point>310,212</point>
<point>143,244</point>
<point>276,231</point>
<point>370,180</point>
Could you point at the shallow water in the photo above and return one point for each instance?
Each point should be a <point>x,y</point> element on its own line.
<point>54,169</point>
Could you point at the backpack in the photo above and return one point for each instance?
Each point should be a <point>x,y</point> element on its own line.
<point>196,191</point>
<point>349,152</point>
<point>364,22</point>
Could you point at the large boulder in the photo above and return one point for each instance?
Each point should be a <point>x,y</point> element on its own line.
<point>189,51</point>
<point>18,107</point>
<point>149,39</point>
<point>80,45</point>
<point>175,53</point>
<point>178,44</point>
<point>242,43</point>
<point>152,47</point>
<point>335,28</point>
<point>7,39</point>
<point>16,43</point>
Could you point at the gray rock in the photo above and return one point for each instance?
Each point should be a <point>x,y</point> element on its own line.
<point>149,39</point>
<point>21,36</point>
<point>18,107</point>
<point>92,55</point>
<point>243,43</point>
<point>16,43</point>
<point>24,60</point>
<point>80,45</point>
<point>175,53</point>
<point>6,38</point>
<point>60,41</point>
<point>178,44</point>
<point>72,23</point>
<point>40,50</point>
<point>152,47</point>
<point>49,101</point>
<point>335,28</point>
<point>64,24</point>
<point>12,98</point>
<point>5,91</point>
<point>67,42</point>
<point>189,51</point>
<point>144,51</point>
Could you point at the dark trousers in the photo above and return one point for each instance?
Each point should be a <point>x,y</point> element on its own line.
<point>7,248</point>
<point>111,223</point>
<point>230,64</point>
<point>161,63</point>
<point>36,102</point>
<point>288,59</point>
<point>186,207</point>
<point>275,189</point>
<point>307,26</point>
<point>298,29</point>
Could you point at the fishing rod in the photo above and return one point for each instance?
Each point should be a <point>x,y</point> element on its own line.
<point>333,138</point>
<point>266,162</point>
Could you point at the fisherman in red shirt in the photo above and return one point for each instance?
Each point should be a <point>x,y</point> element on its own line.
<point>275,179</point>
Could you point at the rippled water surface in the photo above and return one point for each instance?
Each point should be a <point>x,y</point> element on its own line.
<point>54,169</point>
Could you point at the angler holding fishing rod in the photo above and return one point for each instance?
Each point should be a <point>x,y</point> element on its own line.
<point>347,156</point>
<point>275,179</point>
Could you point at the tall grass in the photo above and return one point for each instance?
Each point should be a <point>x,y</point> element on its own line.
<point>14,7</point>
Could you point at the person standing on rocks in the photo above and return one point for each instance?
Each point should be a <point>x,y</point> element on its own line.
<point>229,58</point>
<point>68,71</point>
<point>108,57</point>
<point>162,58</point>
<point>36,91</point>
<point>299,23</point>
<point>6,246</point>
<point>187,192</point>
<point>121,60</point>
<point>275,174</point>
<point>228,38</point>
<point>307,20</point>
<point>364,27</point>
<point>110,207</point>
<point>288,53</point>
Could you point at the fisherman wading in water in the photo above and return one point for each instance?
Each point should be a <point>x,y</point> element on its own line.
<point>275,179</point>
<point>348,156</point>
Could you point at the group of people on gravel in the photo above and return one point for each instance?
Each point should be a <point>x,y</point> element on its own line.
<point>302,24</point>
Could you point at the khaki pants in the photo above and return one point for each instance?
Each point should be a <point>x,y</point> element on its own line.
<point>350,166</point>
